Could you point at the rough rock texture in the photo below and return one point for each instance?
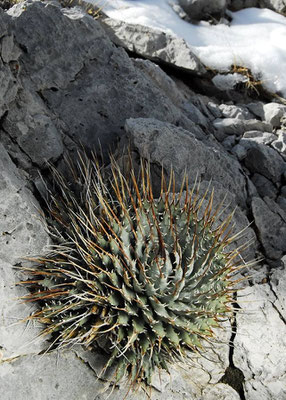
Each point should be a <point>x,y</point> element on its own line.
<point>168,145</point>
<point>261,339</point>
<point>21,234</point>
<point>201,9</point>
<point>90,71</point>
<point>159,47</point>
<point>271,225</point>
<point>263,160</point>
<point>63,82</point>
<point>280,143</point>
<point>236,5</point>
<point>276,5</point>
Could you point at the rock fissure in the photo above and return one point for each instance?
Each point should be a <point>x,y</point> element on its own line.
<point>233,376</point>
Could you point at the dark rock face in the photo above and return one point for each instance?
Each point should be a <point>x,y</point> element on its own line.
<point>65,79</point>
<point>77,82</point>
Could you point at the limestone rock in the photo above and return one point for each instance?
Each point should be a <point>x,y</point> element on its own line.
<point>258,137</point>
<point>168,145</point>
<point>234,111</point>
<point>276,5</point>
<point>236,126</point>
<point>273,112</point>
<point>263,159</point>
<point>236,5</point>
<point>29,124</point>
<point>154,44</point>
<point>8,66</point>
<point>264,186</point>
<point>79,93</point>
<point>202,9</point>
<point>48,376</point>
<point>271,227</point>
<point>260,340</point>
<point>21,234</point>
<point>220,392</point>
<point>257,107</point>
<point>280,143</point>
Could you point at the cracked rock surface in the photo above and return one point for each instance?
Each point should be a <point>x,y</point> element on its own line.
<point>261,338</point>
<point>65,83</point>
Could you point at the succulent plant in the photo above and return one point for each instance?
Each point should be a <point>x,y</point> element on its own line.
<point>150,276</point>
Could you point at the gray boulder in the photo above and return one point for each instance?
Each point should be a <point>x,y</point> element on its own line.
<point>76,86</point>
<point>264,186</point>
<point>154,44</point>
<point>273,113</point>
<point>168,145</point>
<point>203,9</point>
<point>271,226</point>
<point>262,159</point>
<point>237,126</point>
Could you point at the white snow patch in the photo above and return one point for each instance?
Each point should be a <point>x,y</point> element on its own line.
<point>256,38</point>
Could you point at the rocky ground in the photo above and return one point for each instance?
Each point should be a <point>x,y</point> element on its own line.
<point>66,79</point>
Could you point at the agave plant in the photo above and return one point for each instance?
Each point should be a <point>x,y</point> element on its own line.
<point>150,276</point>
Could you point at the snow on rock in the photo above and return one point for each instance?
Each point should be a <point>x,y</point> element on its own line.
<point>260,341</point>
<point>255,38</point>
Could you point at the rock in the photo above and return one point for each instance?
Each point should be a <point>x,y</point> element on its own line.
<point>263,159</point>
<point>159,46</point>
<point>281,199</point>
<point>264,186</point>
<point>256,108</point>
<point>168,145</point>
<point>273,112</point>
<point>236,126</point>
<point>214,109</point>
<point>29,123</point>
<point>239,151</point>
<point>260,341</point>
<point>280,143</point>
<point>258,137</point>
<point>276,5</point>
<point>232,111</point>
<point>229,142</point>
<point>22,234</point>
<point>220,392</point>
<point>195,115</point>
<point>271,228</point>
<point>202,9</point>
<point>161,80</point>
<point>236,5</point>
<point>88,88</point>
<point>59,376</point>
<point>8,66</point>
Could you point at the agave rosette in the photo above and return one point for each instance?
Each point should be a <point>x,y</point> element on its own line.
<point>152,277</point>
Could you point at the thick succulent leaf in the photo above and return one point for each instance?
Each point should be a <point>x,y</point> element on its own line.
<point>123,318</point>
<point>172,335</point>
<point>158,328</point>
<point>138,325</point>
